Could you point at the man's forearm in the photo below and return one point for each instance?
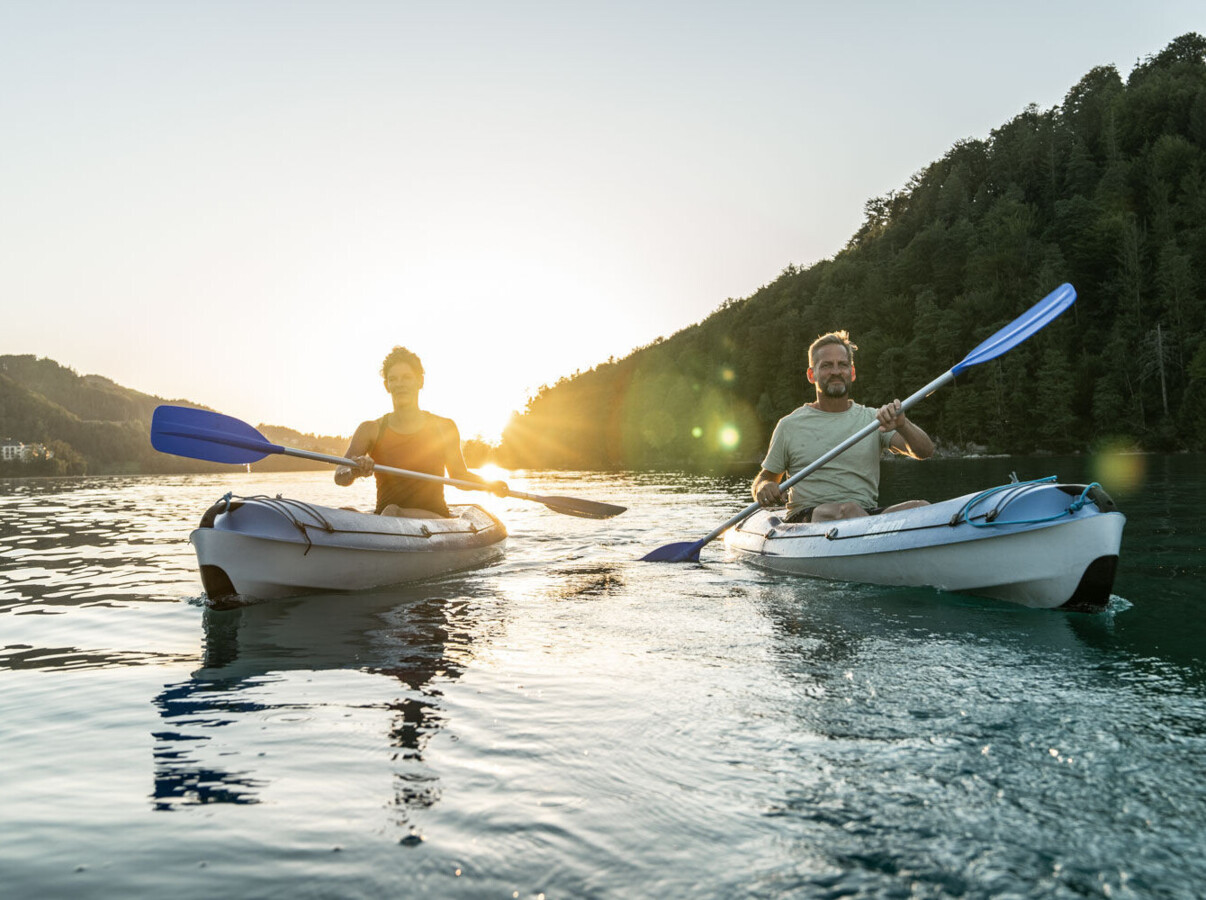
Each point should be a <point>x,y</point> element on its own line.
<point>916,440</point>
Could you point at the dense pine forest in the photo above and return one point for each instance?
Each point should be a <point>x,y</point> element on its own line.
<point>1106,191</point>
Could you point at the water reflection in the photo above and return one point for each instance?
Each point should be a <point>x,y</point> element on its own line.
<point>24,656</point>
<point>781,736</point>
<point>1161,643</point>
<point>182,777</point>
<point>585,581</point>
<point>259,667</point>
<point>83,542</point>
<point>885,665</point>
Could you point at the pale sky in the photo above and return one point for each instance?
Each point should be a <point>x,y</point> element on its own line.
<point>247,204</point>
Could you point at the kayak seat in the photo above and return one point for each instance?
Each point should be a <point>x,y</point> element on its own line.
<point>1095,493</point>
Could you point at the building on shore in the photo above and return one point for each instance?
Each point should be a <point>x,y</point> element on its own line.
<point>18,451</point>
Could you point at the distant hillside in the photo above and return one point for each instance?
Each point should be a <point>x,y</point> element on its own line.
<point>1107,191</point>
<point>96,426</point>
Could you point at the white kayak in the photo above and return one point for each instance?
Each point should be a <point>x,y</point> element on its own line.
<point>268,547</point>
<point>1038,543</point>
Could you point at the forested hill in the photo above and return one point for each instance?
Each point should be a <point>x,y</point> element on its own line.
<point>1106,191</point>
<point>95,426</point>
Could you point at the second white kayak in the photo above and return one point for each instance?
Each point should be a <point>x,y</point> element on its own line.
<point>1039,543</point>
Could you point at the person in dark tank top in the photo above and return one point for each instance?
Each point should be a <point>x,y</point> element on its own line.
<point>409,438</point>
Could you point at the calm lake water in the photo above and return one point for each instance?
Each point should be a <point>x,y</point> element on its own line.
<point>574,723</point>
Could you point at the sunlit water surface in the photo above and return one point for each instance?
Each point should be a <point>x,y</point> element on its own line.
<point>574,723</point>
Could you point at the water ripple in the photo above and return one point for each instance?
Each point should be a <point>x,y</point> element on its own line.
<point>575,723</point>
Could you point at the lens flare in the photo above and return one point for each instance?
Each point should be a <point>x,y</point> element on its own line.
<point>1119,471</point>
<point>730,437</point>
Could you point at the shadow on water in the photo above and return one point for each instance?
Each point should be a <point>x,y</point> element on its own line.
<point>419,636</point>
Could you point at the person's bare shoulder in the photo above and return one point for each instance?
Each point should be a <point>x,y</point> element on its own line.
<point>445,426</point>
<point>365,435</point>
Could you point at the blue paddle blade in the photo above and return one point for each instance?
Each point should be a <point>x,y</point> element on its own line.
<point>685,551</point>
<point>1033,320</point>
<point>201,434</point>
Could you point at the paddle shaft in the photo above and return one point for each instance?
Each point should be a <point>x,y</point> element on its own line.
<point>866,431</point>
<point>204,434</point>
<point>405,473</point>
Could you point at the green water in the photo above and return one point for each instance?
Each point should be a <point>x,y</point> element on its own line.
<point>574,723</point>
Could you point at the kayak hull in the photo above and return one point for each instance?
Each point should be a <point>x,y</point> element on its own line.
<point>275,547</point>
<point>1039,544</point>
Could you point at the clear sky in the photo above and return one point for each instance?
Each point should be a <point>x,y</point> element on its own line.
<point>247,204</point>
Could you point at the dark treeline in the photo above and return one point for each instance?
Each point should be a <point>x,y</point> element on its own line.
<point>95,426</point>
<point>1106,191</point>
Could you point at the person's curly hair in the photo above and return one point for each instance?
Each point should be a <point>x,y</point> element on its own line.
<point>402,355</point>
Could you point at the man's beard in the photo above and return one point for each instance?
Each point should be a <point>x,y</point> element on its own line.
<point>836,387</point>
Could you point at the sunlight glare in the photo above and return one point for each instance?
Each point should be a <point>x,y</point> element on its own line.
<point>493,472</point>
<point>490,502</point>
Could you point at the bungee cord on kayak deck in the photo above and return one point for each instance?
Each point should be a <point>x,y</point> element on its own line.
<point>1090,493</point>
<point>286,507</point>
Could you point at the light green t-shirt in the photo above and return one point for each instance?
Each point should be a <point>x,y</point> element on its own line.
<point>806,434</point>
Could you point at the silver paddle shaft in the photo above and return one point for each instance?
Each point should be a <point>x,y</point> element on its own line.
<point>406,473</point>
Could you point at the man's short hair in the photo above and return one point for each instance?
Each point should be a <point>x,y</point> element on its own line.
<point>833,337</point>
<point>402,355</point>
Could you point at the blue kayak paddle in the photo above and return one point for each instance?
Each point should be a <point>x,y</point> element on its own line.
<point>1033,320</point>
<point>202,434</point>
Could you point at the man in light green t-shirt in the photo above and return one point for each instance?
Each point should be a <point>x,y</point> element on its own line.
<point>847,486</point>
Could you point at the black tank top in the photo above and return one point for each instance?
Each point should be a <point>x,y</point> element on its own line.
<point>422,451</point>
